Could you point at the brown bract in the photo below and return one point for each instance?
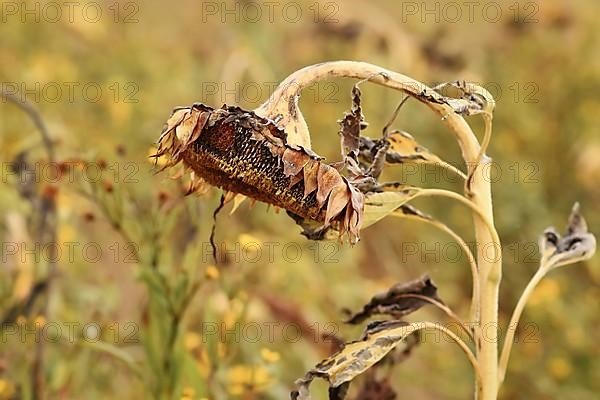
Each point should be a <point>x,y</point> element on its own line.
<point>240,152</point>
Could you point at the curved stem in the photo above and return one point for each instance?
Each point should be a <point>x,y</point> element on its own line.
<point>487,136</point>
<point>453,169</point>
<point>456,339</point>
<point>452,195</point>
<point>447,310</point>
<point>281,100</point>
<point>514,321</point>
<point>474,310</point>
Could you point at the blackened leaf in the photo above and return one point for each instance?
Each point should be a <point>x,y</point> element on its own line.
<point>576,245</point>
<point>397,301</point>
<point>374,389</point>
<point>356,357</point>
<point>339,392</point>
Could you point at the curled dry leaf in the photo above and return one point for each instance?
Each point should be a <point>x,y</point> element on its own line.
<point>397,301</point>
<point>576,245</point>
<point>244,154</point>
<point>355,357</point>
<point>351,125</point>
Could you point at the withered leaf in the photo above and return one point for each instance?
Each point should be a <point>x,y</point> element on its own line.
<point>339,392</point>
<point>403,148</point>
<point>398,147</point>
<point>378,205</point>
<point>576,245</point>
<point>351,125</point>
<point>397,301</point>
<point>356,357</point>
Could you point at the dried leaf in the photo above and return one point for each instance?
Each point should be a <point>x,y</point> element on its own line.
<point>356,357</point>
<point>403,148</point>
<point>398,147</point>
<point>397,301</point>
<point>351,125</point>
<point>339,392</point>
<point>576,245</point>
<point>380,204</point>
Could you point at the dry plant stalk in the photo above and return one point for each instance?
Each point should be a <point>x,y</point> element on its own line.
<point>266,156</point>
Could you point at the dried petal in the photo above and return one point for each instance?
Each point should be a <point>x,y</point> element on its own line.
<point>327,178</point>
<point>294,161</point>
<point>311,172</point>
<point>338,199</point>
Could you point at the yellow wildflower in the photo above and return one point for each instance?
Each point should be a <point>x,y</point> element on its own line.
<point>269,356</point>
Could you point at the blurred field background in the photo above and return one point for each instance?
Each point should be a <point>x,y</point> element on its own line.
<point>154,317</point>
